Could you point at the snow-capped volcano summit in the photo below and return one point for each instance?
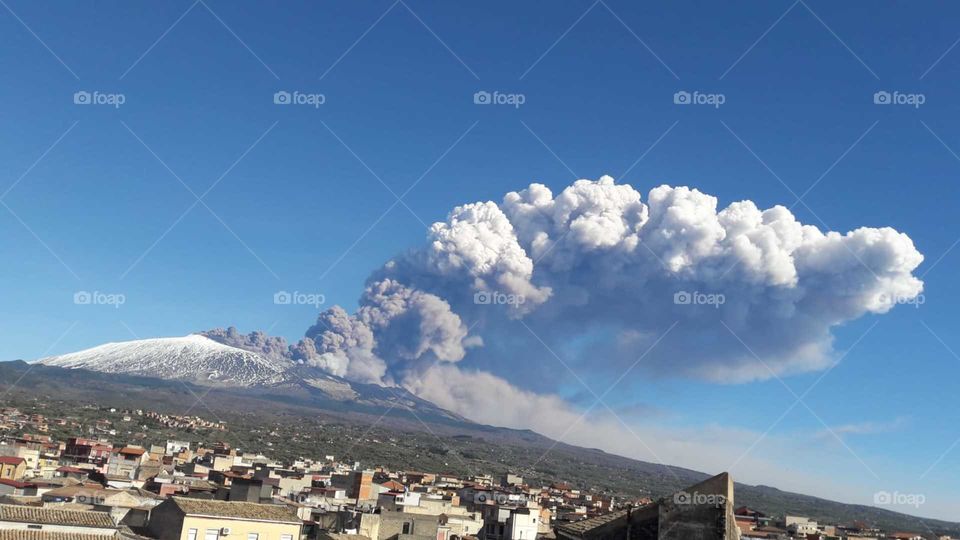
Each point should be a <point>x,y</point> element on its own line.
<point>193,358</point>
<point>254,363</point>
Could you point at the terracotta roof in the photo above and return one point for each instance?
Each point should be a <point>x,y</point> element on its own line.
<point>10,460</point>
<point>66,469</point>
<point>132,450</point>
<point>12,534</point>
<point>53,516</point>
<point>236,510</point>
<point>16,484</point>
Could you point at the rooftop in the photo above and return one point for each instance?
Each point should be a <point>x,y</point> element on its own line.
<point>584,525</point>
<point>16,484</point>
<point>12,534</point>
<point>53,516</point>
<point>236,510</point>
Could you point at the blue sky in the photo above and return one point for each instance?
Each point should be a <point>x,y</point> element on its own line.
<point>97,196</point>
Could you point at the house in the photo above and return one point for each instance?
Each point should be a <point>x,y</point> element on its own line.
<point>250,490</point>
<point>12,468</point>
<point>393,485</point>
<point>82,450</point>
<point>510,479</point>
<point>358,484</point>
<point>800,526</point>
<point>522,525</point>
<point>175,447</point>
<point>126,462</point>
<point>75,473</point>
<point>54,520</point>
<point>905,536</point>
<point>501,522</point>
<point>30,454</point>
<point>180,518</point>
<point>124,506</point>
<point>17,488</point>
<point>389,525</point>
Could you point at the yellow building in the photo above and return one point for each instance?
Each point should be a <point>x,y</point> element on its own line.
<point>12,468</point>
<point>181,518</point>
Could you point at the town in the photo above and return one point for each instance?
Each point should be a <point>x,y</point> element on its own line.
<point>94,484</point>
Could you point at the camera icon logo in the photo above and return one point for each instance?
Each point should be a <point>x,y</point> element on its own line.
<point>681,98</point>
<point>482,98</point>
<point>681,497</point>
<point>882,497</point>
<point>282,298</point>
<point>82,298</point>
<point>882,98</point>
<point>281,97</point>
<point>482,298</point>
<point>82,97</point>
<point>682,298</point>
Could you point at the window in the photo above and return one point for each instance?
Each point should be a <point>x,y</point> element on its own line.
<point>286,537</point>
<point>192,534</point>
<point>253,536</point>
<point>406,527</point>
<point>211,534</point>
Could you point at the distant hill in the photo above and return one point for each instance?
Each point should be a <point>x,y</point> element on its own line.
<point>435,437</point>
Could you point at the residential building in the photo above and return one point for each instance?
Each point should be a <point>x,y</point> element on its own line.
<point>389,525</point>
<point>12,468</point>
<point>180,518</point>
<point>30,455</point>
<point>17,488</point>
<point>126,462</point>
<point>16,517</point>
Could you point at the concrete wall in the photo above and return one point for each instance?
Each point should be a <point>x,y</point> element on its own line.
<point>239,529</point>
<point>700,512</point>
<point>167,522</point>
<point>392,525</point>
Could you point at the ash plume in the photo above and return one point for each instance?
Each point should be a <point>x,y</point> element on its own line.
<point>599,272</point>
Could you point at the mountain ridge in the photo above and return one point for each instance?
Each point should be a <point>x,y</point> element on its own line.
<point>199,359</point>
<point>250,380</point>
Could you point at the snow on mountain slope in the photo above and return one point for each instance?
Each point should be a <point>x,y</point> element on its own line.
<point>200,360</point>
<point>194,358</point>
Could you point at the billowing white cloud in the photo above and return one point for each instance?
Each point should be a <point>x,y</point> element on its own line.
<point>603,277</point>
<point>745,293</point>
